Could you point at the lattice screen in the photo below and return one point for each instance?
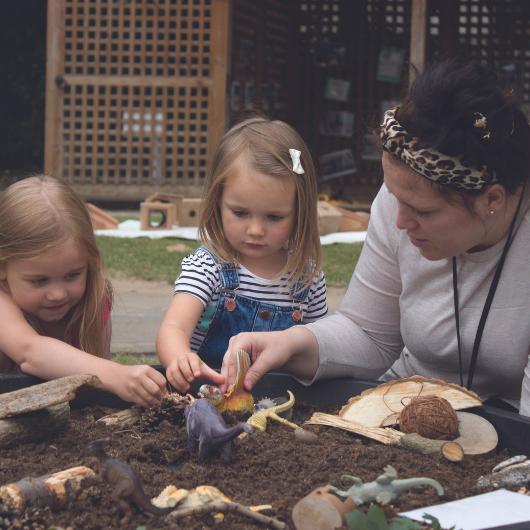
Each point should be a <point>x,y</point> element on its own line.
<point>496,32</point>
<point>137,93</point>
<point>261,40</point>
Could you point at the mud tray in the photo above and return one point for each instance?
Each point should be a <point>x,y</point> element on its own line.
<point>513,429</point>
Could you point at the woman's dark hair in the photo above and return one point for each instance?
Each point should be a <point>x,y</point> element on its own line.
<point>443,105</point>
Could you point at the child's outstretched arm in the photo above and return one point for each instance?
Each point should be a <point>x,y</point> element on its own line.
<point>49,358</point>
<point>173,343</point>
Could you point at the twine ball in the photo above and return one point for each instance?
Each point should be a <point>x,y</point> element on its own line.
<point>432,417</point>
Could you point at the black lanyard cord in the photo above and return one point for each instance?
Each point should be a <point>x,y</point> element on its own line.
<point>487,304</point>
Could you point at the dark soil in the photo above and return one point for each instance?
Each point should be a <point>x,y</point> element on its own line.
<point>270,468</point>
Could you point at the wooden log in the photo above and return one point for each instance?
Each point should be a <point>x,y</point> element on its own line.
<point>450,450</point>
<point>34,426</point>
<point>40,396</point>
<point>53,490</point>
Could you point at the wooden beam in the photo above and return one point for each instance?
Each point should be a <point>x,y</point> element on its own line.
<point>54,68</point>
<point>418,38</point>
<point>137,80</point>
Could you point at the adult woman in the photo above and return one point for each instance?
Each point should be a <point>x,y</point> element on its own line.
<point>442,288</point>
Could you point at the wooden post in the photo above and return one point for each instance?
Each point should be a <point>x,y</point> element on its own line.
<point>418,38</point>
<point>54,68</point>
<point>219,60</point>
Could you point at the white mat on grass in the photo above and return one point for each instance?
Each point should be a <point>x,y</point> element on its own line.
<point>131,228</point>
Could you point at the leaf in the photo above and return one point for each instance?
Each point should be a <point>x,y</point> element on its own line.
<point>376,518</point>
<point>403,523</point>
<point>356,520</point>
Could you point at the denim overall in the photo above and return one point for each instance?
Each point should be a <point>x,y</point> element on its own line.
<point>235,313</point>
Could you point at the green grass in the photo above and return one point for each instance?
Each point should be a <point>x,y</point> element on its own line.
<point>159,259</point>
<point>128,358</point>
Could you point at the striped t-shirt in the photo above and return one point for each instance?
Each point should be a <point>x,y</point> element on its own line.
<point>200,277</point>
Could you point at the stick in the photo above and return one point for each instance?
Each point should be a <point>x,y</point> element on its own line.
<point>223,506</point>
<point>450,450</point>
<point>34,426</point>
<point>53,490</point>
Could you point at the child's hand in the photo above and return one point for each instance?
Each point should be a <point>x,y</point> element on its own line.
<point>140,384</point>
<point>186,368</point>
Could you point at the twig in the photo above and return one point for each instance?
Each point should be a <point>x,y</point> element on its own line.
<point>223,506</point>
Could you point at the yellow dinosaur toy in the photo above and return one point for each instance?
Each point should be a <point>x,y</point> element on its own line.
<point>236,399</point>
<point>258,420</point>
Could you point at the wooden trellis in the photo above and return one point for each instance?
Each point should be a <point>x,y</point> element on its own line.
<point>136,94</point>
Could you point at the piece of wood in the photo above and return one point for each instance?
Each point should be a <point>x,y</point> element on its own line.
<point>329,218</point>
<point>452,451</point>
<point>34,426</point>
<point>54,490</point>
<point>43,395</point>
<point>384,435</point>
<point>353,221</point>
<point>189,213</point>
<point>381,406</point>
<point>101,220</point>
<point>167,210</point>
<point>122,418</point>
<point>477,435</point>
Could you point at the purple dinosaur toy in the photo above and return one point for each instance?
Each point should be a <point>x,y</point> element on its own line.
<point>208,432</point>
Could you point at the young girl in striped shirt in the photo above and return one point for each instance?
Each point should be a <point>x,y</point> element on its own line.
<point>258,268</point>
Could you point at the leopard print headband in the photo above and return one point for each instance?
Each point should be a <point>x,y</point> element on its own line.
<point>432,164</point>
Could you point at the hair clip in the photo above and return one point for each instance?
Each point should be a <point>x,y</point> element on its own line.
<point>481,122</point>
<point>297,165</point>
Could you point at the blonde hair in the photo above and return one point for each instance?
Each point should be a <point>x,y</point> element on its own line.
<point>39,213</point>
<point>266,145</point>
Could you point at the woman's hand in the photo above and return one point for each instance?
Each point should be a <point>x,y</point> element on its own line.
<point>295,349</point>
<point>140,384</point>
<point>183,370</point>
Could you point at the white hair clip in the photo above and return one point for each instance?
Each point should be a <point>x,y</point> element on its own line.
<point>295,157</point>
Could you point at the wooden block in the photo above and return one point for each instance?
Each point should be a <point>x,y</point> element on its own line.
<point>329,218</point>
<point>167,210</point>
<point>353,221</point>
<point>189,212</point>
<point>101,220</point>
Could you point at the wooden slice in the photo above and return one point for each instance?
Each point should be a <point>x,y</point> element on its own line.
<point>452,451</point>
<point>44,395</point>
<point>381,406</point>
<point>477,434</point>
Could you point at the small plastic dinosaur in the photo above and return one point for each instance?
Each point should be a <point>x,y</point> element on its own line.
<point>258,420</point>
<point>124,480</point>
<point>236,399</point>
<point>208,432</point>
<point>384,488</point>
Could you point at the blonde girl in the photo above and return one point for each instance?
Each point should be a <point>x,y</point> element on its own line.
<point>55,300</point>
<point>259,264</point>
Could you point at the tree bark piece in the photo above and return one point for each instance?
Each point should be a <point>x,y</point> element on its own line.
<point>230,506</point>
<point>122,418</point>
<point>54,490</point>
<point>43,395</point>
<point>34,426</point>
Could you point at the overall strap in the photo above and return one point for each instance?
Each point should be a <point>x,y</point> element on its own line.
<point>299,293</point>
<point>227,271</point>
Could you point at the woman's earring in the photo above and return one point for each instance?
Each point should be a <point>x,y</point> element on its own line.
<point>492,212</point>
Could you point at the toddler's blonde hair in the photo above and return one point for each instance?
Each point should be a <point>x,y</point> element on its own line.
<point>37,214</point>
<point>266,145</point>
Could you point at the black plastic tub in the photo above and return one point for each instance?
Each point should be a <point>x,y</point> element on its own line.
<point>513,429</point>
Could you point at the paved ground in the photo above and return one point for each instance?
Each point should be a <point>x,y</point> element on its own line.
<point>139,309</point>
